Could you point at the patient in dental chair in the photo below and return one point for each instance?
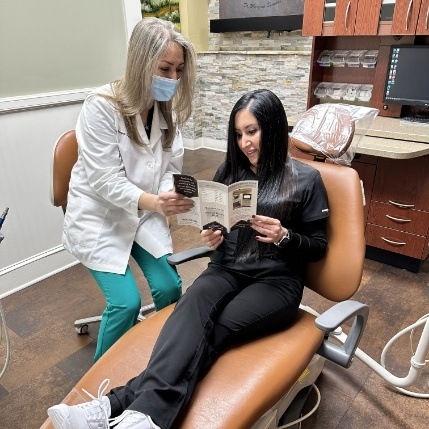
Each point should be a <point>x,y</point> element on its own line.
<point>252,286</point>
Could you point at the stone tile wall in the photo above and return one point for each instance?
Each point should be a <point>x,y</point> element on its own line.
<point>238,62</point>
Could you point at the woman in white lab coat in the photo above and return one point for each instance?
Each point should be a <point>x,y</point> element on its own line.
<point>121,186</point>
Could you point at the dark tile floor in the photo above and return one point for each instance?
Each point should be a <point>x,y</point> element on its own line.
<point>48,357</point>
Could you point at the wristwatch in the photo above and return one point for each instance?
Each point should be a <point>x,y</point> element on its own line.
<point>284,240</point>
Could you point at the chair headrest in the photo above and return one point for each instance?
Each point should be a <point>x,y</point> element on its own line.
<point>325,130</point>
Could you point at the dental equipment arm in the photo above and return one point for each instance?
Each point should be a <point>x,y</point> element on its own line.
<point>417,361</point>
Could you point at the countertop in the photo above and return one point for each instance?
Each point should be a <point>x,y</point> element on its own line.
<point>391,138</point>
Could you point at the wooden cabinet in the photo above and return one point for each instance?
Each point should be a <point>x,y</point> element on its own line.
<point>365,17</point>
<point>396,190</point>
<point>329,17</point>
<point>398,219</point>
<point>356,75</point>
<point>396,212</point>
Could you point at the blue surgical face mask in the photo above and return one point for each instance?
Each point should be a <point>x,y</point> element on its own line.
<point>163,89</point>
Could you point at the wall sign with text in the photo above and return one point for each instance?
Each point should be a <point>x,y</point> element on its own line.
<point>245,9</point>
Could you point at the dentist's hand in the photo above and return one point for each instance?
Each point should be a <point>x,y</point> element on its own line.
<point>167,203</point>
<point>172,203</point>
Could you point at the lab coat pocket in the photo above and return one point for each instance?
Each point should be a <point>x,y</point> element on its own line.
<point>84,222</point>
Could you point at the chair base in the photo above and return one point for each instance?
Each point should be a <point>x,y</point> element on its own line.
<point>82,325</point>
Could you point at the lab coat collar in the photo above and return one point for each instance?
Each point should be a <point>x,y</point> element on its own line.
<point>158,124</point>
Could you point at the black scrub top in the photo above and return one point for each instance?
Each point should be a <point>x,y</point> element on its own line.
<point>311,205</point>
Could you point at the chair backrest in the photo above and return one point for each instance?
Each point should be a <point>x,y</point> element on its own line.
<point>338,275</point>
<point>64,157</point>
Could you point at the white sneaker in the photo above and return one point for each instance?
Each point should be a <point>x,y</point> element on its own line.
<point>89,415</point>
<point>133,420</point>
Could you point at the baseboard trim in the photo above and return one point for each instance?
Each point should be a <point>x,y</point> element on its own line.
<point>204,143</point>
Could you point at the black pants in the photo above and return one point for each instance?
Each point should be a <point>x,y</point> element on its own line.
<point>221,309</point>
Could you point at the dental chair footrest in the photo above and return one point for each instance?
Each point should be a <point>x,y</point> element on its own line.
<point>241,386</point>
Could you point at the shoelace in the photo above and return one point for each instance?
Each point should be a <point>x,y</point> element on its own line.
<point>126,413</point>
<point>86,407</point>
<point>132,417</point>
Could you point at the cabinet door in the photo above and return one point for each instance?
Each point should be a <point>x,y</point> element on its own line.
<point>403,182</point>
<point>367,17</point>
<point>313,17</point>
<point>329,17</point>
<point>405,17</point>
<point>423,22</point>
<point>345,17</point>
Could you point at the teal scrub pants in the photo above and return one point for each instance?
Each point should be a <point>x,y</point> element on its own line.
<point>122,295</point>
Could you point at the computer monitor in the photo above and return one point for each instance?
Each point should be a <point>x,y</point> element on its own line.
<point>407,81</point>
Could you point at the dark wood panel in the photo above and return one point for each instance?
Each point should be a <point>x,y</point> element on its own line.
<point>365,159</point>
<point>346,74</point>
<point>386,109</point>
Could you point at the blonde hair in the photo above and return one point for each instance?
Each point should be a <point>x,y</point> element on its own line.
<point>132,93</point>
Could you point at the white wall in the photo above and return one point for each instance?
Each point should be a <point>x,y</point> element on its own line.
<point>30,122</point>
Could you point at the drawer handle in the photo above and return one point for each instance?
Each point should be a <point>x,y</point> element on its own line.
<point>395,243</point>
<point>395,219</point>
<point>407,19</point>
<point>402,206</point>
<point>347,15</point>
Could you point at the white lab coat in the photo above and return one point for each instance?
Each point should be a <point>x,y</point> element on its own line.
<point>102,219</point>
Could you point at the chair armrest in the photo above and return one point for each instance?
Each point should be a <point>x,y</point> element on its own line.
<point>189,255</point>
<point>331,319</point>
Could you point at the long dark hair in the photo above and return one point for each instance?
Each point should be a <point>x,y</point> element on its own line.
<point>276,176</point>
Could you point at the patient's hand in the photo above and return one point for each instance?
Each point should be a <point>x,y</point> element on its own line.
<point>212,238</point>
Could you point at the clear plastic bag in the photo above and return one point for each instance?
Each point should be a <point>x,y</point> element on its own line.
<point>332,131</point>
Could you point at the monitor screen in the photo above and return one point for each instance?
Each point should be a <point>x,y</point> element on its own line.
<point>407,80</point>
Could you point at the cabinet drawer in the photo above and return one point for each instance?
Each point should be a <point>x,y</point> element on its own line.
<point>395,241</point>
<point>404,181</point>
<point>402,219</point>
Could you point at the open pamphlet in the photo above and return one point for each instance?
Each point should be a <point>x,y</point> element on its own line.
<point>217,206</point>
